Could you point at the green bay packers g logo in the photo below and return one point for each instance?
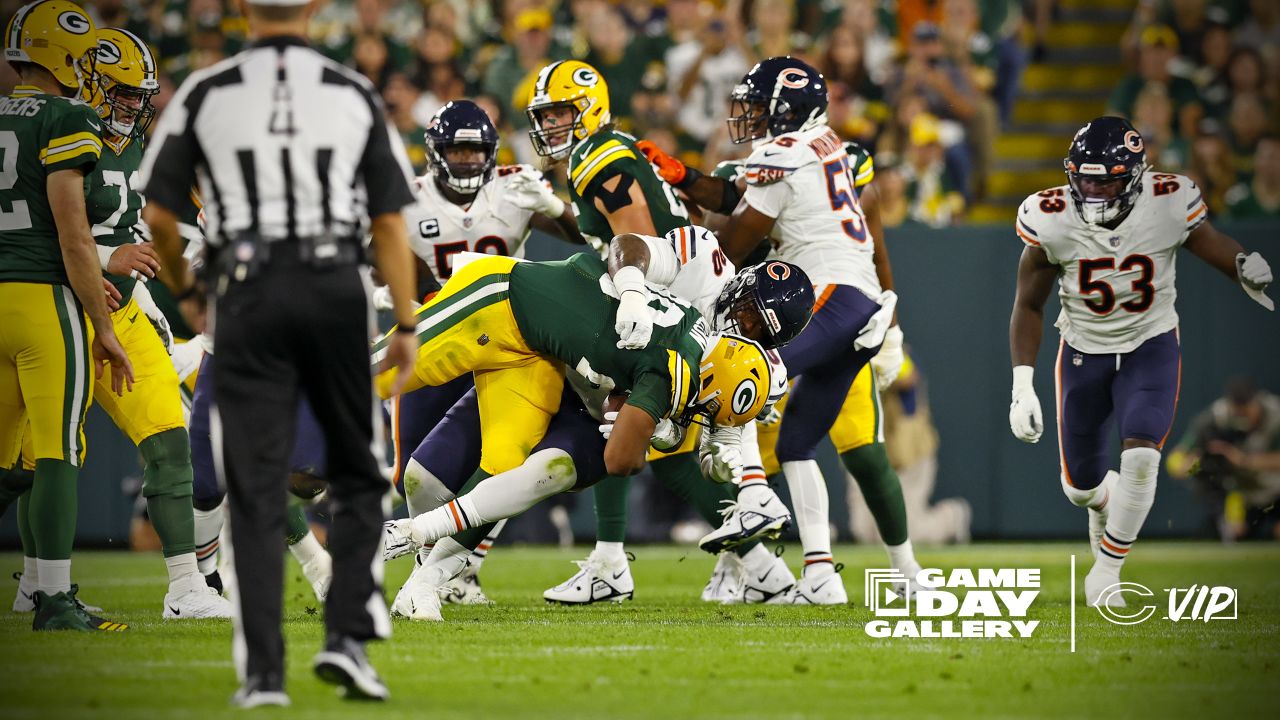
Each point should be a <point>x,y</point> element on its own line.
<point>585,77</point>
<point>74,23</point>
<point>744,396</point>
<point>108,52</point>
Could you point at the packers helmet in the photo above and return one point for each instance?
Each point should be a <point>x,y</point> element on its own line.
<point>126,83</point>
<point>734,381</point>
<point>572,85</point>
<point>58,36</point>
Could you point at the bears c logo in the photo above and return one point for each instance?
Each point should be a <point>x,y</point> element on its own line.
<point>585,77</point>
<point>778,271</point>
<point>1133,141</point>
<point>793,78</point>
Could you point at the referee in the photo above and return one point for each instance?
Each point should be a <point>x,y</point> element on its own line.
<point>293,154</point>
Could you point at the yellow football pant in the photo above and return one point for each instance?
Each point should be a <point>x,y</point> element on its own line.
<point>469,327</point>
<point>859,423</point>
<point>155,405</point>
<point>46,377</point>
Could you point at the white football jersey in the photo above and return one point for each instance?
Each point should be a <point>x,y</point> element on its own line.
<point>439,229</point>
<point>804,180</point>
<point>1116,286</point>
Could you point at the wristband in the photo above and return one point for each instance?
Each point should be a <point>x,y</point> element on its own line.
<point>630,279</point>
<point>1022,378</point>
<point>691,176</point>
<point>104,255</point>
<point>406,328</point>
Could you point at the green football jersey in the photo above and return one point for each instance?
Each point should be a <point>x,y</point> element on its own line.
<point>39,134</point>
<point>564,310</point>
<point>115,204</point>
<point>604,155</point>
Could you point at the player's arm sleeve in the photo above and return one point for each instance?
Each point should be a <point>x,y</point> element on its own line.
<point>664,258</point>
<point>73,141</point>
<point>384,166</point>
<point>1192,200</point>
<point>611,158</point>
<point>658,392</point>
<point>168,167</point>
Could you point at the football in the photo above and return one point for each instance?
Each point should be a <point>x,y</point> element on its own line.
<point>614,402</point>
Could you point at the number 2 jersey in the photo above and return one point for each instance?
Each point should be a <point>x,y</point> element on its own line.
<point>1116,286</point>
<point>439,229</point>
<point>805,181</point>
<point>39,135</point>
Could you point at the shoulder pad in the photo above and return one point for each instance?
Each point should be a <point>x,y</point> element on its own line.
<point>595,154</point>
<point>1038,211</point>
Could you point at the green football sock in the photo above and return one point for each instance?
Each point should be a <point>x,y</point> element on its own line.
<point>166,484</point>
<point>611,508</point>
<point>682,476</point>
<point>296,525</point>
<point>24,525</point>
<point>53,509</point>
<point>881,489</point>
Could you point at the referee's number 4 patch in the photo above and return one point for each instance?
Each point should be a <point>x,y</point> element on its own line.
<point>429,228</point>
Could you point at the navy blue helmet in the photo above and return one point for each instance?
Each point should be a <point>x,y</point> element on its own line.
<point>462,122</point>
<point>778,292</point>
<point>1104,169</point>
<point>778,95</point>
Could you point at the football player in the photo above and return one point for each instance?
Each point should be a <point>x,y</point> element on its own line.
<point>801,191</point>
<point>517,326</point>
<point>53,307</point>
<point>1110,237</point>
<point>466,203</point>
<point>615,191</point>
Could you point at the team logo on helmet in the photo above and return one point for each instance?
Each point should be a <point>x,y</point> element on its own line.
<point>778,271</point>
<point>793,78</point>
<point>744,396</point>
<point>1133,141</point>
<point>585,77</point>
<point>108,52</point>
<point>74,23</point>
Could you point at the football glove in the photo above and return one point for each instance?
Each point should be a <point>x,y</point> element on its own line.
<point>534,194</point>
<point>720,454</point>
<point>634,320</point>
<point>147,304</point>
<point>1025,418</point>
<point>1255,276</point>
<point>888,362</point>
<point>669,168</point>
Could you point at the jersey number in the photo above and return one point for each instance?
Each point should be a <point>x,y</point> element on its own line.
<point>840,188</point>
<point>1053,201</point>
<point>17,216</point>
<point>1164,184</point>
<point>118,180</point>
<point>490,244</point>
<point>1106,300</point>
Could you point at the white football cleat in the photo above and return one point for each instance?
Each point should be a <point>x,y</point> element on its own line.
<point>319,572</point>
<point>913,585</point>
<point>25,599</point>
<point>599,579</point>
<point>757,513</point>
<point>818,589</point>
<point>1096,584</point>
<point>768,586</point>
<point>726,580</point>
<point>464,590</point>
<point>396,539</point>
<point>1098,518</point>
<point>418,599</point>
<point>200,601</point>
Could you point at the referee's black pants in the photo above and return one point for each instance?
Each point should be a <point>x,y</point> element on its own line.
<point>293,328</point>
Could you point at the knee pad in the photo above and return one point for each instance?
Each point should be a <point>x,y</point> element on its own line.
<point>424,488</point>
<point>1140,465</point>
<point>558,467</point>
<point>1081,497</point>
<point>168,464</point>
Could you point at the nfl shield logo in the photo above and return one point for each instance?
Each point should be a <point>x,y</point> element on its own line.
<point>1115,241</point>
<point>1077,360</point>
<point>466,223</point>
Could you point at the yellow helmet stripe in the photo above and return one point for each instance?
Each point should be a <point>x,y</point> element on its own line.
<point>599,160</point>
<point>679,370</point>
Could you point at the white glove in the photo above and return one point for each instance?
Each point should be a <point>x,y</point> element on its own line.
<point>720,454</point>
<point>873,332</point>
<point>147,304</point>
<point>1255,276</point>
<point>1025,418</point>
<point>382,298</point>
<point>888,362</point>
<point>770,416</point>
<point>534,193</point>
<point>634,321</point>
<point>606,427</point>
<point>667,435</point>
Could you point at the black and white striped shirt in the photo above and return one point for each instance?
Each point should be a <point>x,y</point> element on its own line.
<point>282,142</point>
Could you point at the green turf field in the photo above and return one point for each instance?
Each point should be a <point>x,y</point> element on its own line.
<point>667,655</point>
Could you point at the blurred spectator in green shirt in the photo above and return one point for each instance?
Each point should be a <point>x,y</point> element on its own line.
<point>1158,46</point>
<point>400,96</point>
<point>515,65</point>
<point>1259,197</point>
<point>370,28</point>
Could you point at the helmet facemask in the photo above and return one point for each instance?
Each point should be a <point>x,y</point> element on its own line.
<point>1102,197</point>
<point>464,177</point>
<point>738,311</point>
<point>557,142</point>
<point>748,116</point>
<point>127,111</point>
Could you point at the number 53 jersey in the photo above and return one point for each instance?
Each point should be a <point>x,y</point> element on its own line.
<point>1116,286</point>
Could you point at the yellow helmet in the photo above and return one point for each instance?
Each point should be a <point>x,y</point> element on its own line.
<point>126,83</point>
<point>568,84</point>
<point>58,36</point>
<point>734,383</point>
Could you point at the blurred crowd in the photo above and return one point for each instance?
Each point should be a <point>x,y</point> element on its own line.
<point>924,84</point>
<point>1203,91</point>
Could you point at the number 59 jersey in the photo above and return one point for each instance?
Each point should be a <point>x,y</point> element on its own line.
<point>805,181</point>
<point>439,229</point>
<point>1117,287</point>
